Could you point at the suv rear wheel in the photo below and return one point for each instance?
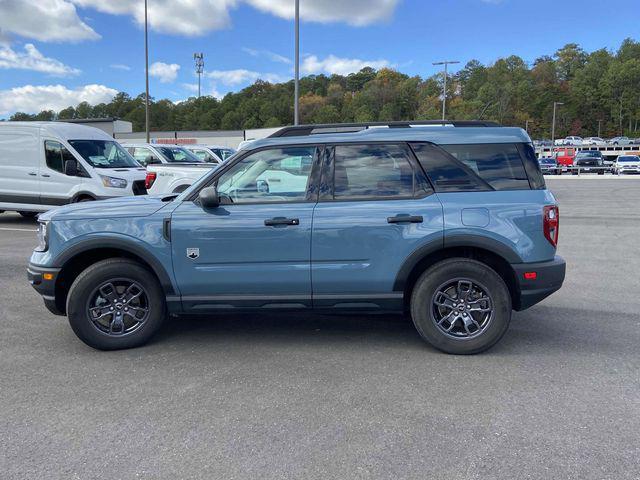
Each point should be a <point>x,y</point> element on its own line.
<point>461,306</point>
<point>115,304</point>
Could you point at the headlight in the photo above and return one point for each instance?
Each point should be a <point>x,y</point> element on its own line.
<point>113,182</point>
<point>43,237</point>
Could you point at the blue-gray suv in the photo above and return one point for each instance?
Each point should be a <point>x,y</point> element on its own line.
<point>450,222</point>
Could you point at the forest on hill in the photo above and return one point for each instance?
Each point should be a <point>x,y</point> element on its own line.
<point>598,87</point>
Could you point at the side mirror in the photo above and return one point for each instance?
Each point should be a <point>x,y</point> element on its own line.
<point>209,197</point>
<point>262,186</point>
<point>71,167</point>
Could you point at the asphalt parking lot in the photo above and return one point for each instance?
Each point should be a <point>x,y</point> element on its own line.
<point>340,397</point>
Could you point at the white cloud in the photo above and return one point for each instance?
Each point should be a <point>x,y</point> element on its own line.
<point>240,76</point>
<point>44,20</point>
<point>165,72</point>
<point>340,66</point>
<point>275,57</point>
<point>33,99</point>
<point>353,12</point>
<point>190,87</point>
<point>120,66</point>
<point>32,59</point>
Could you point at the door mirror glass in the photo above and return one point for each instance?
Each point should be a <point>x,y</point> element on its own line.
<point>71,167</point>
<point>209,198</point>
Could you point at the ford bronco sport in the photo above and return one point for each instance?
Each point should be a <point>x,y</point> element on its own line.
<point>450,222</point>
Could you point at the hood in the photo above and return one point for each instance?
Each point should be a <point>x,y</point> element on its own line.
<point>121,207</point>
<point>130,174</point>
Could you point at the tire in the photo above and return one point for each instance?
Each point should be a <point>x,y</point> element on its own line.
<point>29,214</point>
<point>85,199</point>
<point>115,271</point>
<point>424,312</point>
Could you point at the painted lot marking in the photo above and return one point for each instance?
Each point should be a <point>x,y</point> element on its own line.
<point>18,229</point>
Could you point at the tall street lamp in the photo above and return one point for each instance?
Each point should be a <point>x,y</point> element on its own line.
<point>146,73</point>
<point>296,93</point>
<point>446,63</point>
<point>553,123</point>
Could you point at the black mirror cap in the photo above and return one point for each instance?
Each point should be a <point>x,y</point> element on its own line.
<point>208,197</point>
<point>71,167</point>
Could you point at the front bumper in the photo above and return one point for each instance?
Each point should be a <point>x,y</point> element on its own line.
<point>43,280</point>
<point>548,279</point>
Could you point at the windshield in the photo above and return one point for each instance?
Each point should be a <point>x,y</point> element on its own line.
<point>223,153</point>
<point>630,158</point>
<point>589,154</point>
<point>104,154</point>
<point>178,155</point>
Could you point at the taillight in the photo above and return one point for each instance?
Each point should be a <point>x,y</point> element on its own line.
<point>149,179</point>
<point>551,223</point>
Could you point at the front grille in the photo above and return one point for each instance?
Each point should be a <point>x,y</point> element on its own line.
<point>138,188</point>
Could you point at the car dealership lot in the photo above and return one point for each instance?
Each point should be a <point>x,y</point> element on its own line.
<point>293,396</point>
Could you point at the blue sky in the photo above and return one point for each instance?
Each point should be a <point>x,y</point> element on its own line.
<point>58,52</point>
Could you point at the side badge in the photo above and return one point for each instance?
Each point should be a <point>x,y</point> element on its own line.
<point>193,253</point>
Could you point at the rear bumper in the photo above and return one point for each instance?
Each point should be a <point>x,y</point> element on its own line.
<point>43,280</point>
<point>548,279</point>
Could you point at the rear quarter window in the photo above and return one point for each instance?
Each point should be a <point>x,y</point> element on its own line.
<point>500,165</point>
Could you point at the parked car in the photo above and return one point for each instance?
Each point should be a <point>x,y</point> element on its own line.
<point>571,140</point>
<point>627,164</point>
<point>47,164</point>
<point>593,141</point>
<point>549,166</point>
<point>211,153</point>
<point>542,143</point>
<point>157,153</point>
<point>453,225</point>
<point>167,178</point>
<point>590,161</point>
<point>620,141</point>
<point>564,156</point>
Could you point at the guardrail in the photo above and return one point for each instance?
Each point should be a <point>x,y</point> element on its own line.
<point>578,170</point>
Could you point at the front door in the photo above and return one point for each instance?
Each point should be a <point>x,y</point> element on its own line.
<point>57,188</point>
<point>254,249</point>
<point>379,211</point>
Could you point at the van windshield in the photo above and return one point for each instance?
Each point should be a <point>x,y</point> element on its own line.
<point>104,154</point>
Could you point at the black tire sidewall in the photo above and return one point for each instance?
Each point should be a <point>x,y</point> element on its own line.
<point>99,273</point>
<point>444,271</point>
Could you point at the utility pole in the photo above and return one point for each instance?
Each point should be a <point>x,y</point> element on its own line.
<point>199,58</point>
<point>446,63</point>
<point>526,126</point>
<point>296,93</point>
<point>553,123</point>
<point>599,125</point>
<point>146,73</point>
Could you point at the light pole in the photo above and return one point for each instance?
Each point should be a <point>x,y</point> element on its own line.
<point>553,123</point>
<point>199,58</point>
<point>599,125</point>
<point>146,73</point>
<point>296,81</point>
<point>446,63</point>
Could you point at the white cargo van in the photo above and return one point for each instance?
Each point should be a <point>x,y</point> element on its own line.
<point>46,164</point>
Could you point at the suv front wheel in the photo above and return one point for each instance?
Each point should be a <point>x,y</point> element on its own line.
<point>114,304</point>
<point>461,306</point>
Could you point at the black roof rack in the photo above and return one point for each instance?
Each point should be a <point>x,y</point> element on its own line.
<point>304,130</point>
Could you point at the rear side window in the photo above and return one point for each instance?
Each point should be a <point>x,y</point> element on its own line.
<point>372,171</point>
<point>531,165</point>
<point>497,164</point>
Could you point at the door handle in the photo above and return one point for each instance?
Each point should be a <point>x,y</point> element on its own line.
<point>46,175</point>
<point>405,219</point>
<point>272,222</point>
<point>33,174</point>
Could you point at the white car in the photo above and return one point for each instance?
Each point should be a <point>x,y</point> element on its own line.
<point>167,178</point>
<point>156,153</point>
<point>593,141</point>
<point>627,164</point>
<point>211,153</point>
<point>47,164</point>
<point>571,140</point>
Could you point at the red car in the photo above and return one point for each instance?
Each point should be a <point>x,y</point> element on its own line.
<point>564,156</point>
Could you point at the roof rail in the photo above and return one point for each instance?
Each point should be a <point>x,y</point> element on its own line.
<point>304,130</point>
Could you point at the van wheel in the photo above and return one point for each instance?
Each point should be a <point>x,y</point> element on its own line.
<point>28,214</point>
<point>115,304</point>
<point>461,306</point>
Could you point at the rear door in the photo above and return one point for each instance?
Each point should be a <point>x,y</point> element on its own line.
<point>376,208</point>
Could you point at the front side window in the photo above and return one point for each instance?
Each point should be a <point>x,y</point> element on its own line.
<point>223,153</point>
<point>203,155</point>
<point>56,155</point>
<point>178,155</point>
<point>275,175</point>
<point>372,171</point>
<point>145,156</point>
<point>104,154</point>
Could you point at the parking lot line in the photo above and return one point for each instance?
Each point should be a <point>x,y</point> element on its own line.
<point>18,229</point>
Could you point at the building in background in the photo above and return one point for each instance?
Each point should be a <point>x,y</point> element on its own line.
<point>111,125</point>
<point>223,138</point>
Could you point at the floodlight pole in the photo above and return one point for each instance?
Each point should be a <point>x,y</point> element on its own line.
<point>146,73</point>
<point>446,63</point>
<point>199,58</point>
<point>296,93</point>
